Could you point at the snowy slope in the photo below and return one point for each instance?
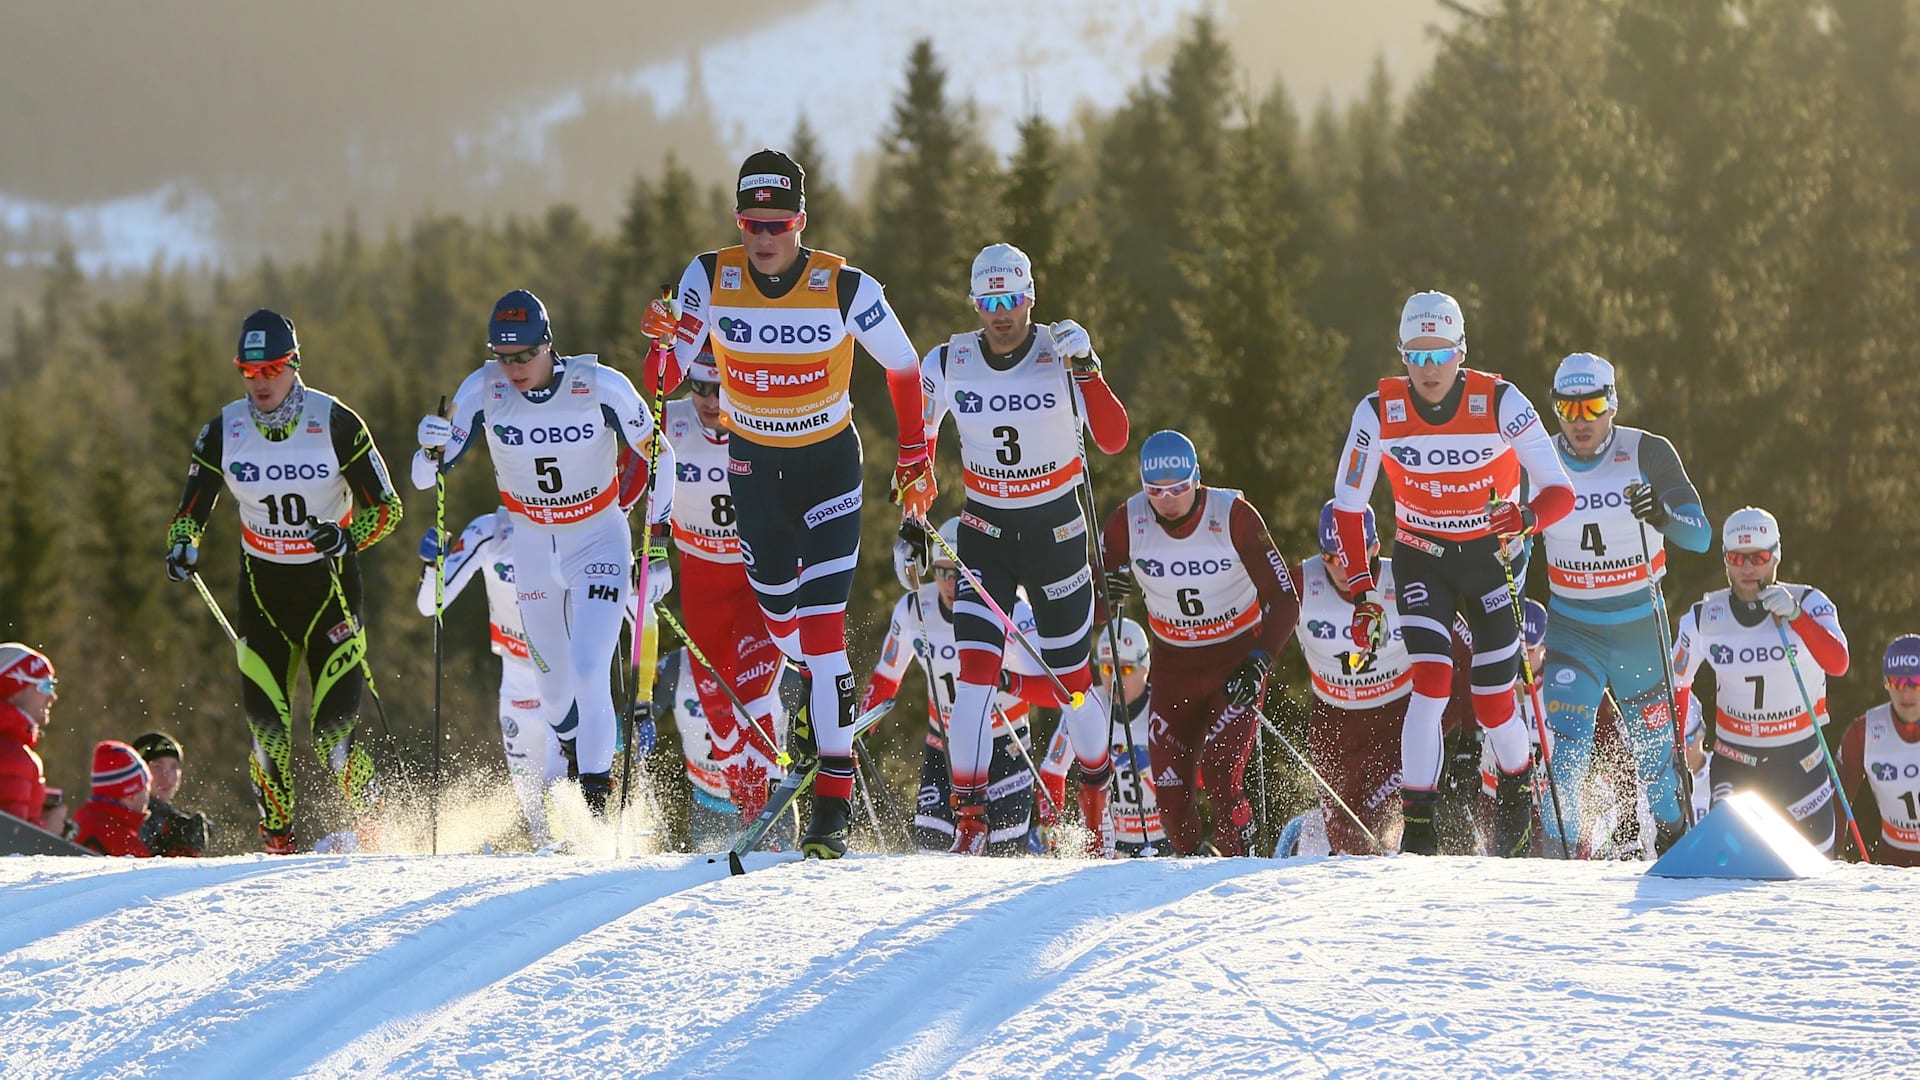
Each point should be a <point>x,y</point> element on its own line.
<point>923,966</point>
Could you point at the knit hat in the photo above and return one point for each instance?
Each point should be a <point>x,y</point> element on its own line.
<point>266,336</point>
<point>22,666</point>
<point>118,772</point>
<point>770,180</point>
<point>157,744</point>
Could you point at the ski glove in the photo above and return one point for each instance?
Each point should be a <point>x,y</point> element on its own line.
<point>328,538</point>
<point>913,545</point>
<point>434,432</point>
<point>1646,505</point>
<point>1246,682</point>
<point>913,486</point>
<point>659,321</point>
<point>1119,585</point>
<point>430,546</point>
<point>659,576</point>
<point>1510,519</point>
<point>1779,602</point>
<point>1369,623</point>
<point>182,560</point>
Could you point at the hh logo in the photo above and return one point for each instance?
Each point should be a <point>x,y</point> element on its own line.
<point>508,436</point>
<point>602,592</point>
<point>1719,654</point>
<point>1322,629</point>
<point>969,402</point>
<point>738,331</point>
<point>244,471</point>
<point>1150,567</point>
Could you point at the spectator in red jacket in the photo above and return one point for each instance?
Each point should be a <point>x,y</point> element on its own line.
<point>110,822</point>
<point>26,695</point>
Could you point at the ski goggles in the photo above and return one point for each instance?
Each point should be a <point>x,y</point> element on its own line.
<point>46,684</point>
<point>1903,682</point>
<point>946,572</point>
<point>1575,409</point>
<point>524,356</point>
<point>770,226</point>
<point>1436,357</point>
<point>702,388</point>
<point>1006,301</point>
<point>263,369</point>
<point>1763,557</point>
<point>1169,491</point>
<point>1126,670</point>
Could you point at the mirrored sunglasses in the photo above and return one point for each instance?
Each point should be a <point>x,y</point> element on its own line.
<point>46,684</point>
<point>1424,357</point>
<point>1588,408</point>
<point>770,226</point>
<point>946,573</point>
<point>1763,557</point>
<point>702,388</point>
<point>262,369</point>
<point>1168,491</point>
<point>1126,670</point>
<point>1011,301</point>
<point>1904,682</point>
<point>515,359</point>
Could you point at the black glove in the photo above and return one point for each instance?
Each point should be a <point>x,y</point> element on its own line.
<point>327,537</point>
<point>182,560</point>
<point>1119,585</point>
<point>1646,505</point>
<point>913,533</point>
<point>1244,684</point>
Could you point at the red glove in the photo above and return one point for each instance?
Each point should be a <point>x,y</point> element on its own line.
<point>659,321</point>
<point>913,486</point>
<point>1510,519</point>
<point>1369,623</point>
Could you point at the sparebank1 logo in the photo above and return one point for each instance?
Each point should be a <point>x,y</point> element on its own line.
<point>968,402</point>
<point>1720,654</point>
<point>738,331</point>
<point>244,471</point>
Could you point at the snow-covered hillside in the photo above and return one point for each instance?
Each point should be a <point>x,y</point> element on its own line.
<point>510,965</point>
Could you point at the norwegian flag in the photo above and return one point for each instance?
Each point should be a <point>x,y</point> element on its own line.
<point>997,284</point>
<point>763,195</point>
<point>1429,328</point>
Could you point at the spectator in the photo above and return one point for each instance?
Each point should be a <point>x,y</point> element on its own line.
<point>169,830</point>
<point>26,695</point>
<point>110,822</point>
<point>53,814</point>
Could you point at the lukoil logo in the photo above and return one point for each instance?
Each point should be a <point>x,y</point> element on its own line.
<point>738,331</point>
<point>968,402</point>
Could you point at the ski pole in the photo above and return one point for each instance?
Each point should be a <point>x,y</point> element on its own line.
<point>439,624</point>
<point>214,606</point>
<point>739,710</point>
<point>1517,602</point>
<point>644,678</point>
<point>1090,509</point>
<point>1026,756</point>
<point>1833,771</point>
<point>1666,686</point>
<point>1274,730</point>
<point>1075,697</point>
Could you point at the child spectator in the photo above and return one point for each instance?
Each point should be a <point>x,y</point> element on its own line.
<point>169,830</point>
<point>26,696</point>
<point>110,822</point>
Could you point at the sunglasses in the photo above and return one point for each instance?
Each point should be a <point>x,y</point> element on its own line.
<point>703,389</point>
<point>524,356</point>
<point>1168,491</point>
<point>46,684</point>
<point>770,226</point>
<point>1751,558</point>
<point>263,369</point>
<point>1590,408</point>
<point>1904,682</point>
<point>946,573</point>
<point>1125,669</point>
<point>1424,357</point>
<point>1010,301</point>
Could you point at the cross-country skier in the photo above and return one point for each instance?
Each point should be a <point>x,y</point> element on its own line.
<point>1763,737</point>
<point>1453,442</point>
<point>1631,495</point>
<point>556,427</point>
<point>1221,605</point>
<point>783,320</point>
<point>1360,696</point>
<point>721,611</point>
<point>1019,393</point>
<point>298,462</point>
<point>924,628</point>
<point>1880,755</point>
<point>529,728</point>
<point>1136,825</point>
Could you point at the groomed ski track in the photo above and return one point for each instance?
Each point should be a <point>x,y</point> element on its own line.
<point>509,965</point>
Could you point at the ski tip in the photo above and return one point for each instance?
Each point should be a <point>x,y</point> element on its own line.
<point>734,864</point>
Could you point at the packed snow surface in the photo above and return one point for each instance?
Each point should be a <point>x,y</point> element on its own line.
<point>552,966</point>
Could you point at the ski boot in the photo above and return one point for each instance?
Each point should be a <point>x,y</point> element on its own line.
<point>1093,814</point>
<point>1417,834</point>
<point>278,841</point>
<point>1666,834</point>
<point>596,788</point>
<point>1513,816</point>
<point>800,741</point>
<point>970,828</point>
<point>828,830</point>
